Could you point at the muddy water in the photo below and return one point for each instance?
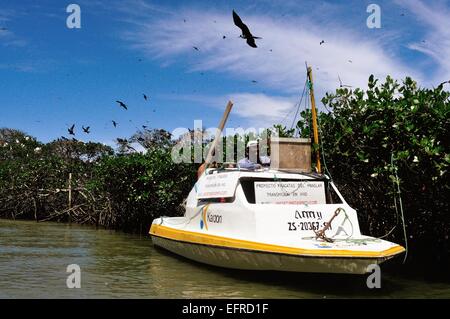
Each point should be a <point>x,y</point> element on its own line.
<point>34,259</point>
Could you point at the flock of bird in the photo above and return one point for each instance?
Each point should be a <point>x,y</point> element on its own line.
<point>71,129</point>
<point>245,34</point>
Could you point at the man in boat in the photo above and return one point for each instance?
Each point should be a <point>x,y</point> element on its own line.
<point>252,159</point>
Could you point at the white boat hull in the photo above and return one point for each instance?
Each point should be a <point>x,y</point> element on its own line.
<point>256,260</point>
<point>243,234</point>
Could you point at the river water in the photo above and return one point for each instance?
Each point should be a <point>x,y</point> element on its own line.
<point>34,259</point>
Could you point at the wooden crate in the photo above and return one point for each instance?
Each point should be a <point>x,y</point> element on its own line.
<point>290,154</point>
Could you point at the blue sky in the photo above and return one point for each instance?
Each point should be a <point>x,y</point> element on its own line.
<point>52,76</point>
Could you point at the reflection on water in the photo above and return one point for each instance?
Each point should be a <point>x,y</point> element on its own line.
<point>34,257</point>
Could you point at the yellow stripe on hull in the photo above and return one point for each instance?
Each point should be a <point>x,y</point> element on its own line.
<point>224,242</point>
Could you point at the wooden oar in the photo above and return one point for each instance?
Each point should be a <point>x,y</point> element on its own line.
<point>219,130</point>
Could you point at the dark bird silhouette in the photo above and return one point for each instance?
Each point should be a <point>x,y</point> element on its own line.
<point>144,127</point>
<point>350,61</point>
<point>114,123</point>
<point>86,129</point>
<point>224,37</point>
<point>442,84</point>
<point>322,42</point>
<point>145,96</point>
<point>71,130</point>
<point>64,138</point>
<point>3,29</point>
<point>122,105</point>
<point>246,34</point>
<point>254,81</point>
<point>342,85</point>
<point>125,143</point>
<point>195,48</point>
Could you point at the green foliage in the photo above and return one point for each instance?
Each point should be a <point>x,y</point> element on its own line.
<point>120,191</point>
<point>361,133</point>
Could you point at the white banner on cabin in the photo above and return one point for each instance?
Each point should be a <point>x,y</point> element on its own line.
<point>217,185</point>
<point>293,193</point>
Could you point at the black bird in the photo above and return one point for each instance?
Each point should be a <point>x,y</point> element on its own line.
<point>224,37</point>
<point>246,34</point>
<point>322,42</point>
<point>64,138</point>
<point>145,96</point>
<point>71,130</point>
<point>114,123</point>
<point>122,105</point>
<point>340,83</point>
<point>253,81</point>
<point>86,129</point>
<point>144,127</point>
<point>442,84</point>
<point>3,29</point>
<point>195,48</point>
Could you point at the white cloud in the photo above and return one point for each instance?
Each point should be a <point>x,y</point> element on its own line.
<point>292,41</point>
<point>435,16</point>
<point>256,109</point>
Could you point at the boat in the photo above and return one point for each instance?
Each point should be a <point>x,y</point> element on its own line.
<point>270,218</point>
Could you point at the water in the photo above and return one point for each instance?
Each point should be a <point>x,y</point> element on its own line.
<point>34,258</point>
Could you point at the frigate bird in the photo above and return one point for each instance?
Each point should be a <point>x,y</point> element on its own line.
<point>122,105</point>
<point>246,34</point>
<point>71,130</point>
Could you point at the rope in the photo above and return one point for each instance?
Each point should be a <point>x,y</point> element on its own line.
<point>299,104</point>
<point>397,181</point>
<point>323,149</point>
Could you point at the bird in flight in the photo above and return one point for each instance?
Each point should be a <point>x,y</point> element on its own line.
<point>86,129</point>
<point>254,81</point>
<point>145,96</point>
<point>246,34</point>
<point>122,105</point>
<point>322,42</point>
<point>195,48</point>
<point>64,138</point>
<point>3,29</point>
<point>224,37</point>
<point>340,83</point>
<point>71,130</point>
<point>114,123</point>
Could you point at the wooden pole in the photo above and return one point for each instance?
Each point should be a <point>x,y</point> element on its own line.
<point>70,190</point>
<point>216,138</point>
<point>314,119</point>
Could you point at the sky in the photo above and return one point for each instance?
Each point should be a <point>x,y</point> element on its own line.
<point>52,77</point>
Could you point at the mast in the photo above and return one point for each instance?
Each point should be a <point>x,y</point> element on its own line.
<point>314,118</point>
